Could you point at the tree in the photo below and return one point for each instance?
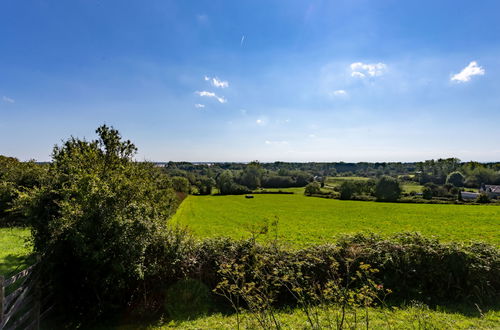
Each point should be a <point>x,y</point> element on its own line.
<point>227,186</point>
<point>181,184</point>
<point>455,178</point>
<point>312,188</point>
<point>252,175</point>
<point>347,189</point>
<point>388,189</point>
<point>97,219</point>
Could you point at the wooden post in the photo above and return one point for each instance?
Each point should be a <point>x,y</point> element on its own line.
<point>2,298</point>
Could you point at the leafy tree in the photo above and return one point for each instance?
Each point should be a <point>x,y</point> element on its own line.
<point>97,220</point>
<point>347,189</point>
<point>312,188</point>
<point>252,175</point>
<point>388,189</point>
<point>205,185</point>
<point>455,178</point>
<point>181,184</point>
<point>227,186</point>
<point>427,193</point>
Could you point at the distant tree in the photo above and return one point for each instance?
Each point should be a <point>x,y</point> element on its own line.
<point>455,178</point>
<point>181,184</point>
<point>388,189</point>
<point>227,186</point>
<point>252,175</point>
<point>427,193</point>
<point>312,188</point>
<point>347,189</point>
<point>205,185</point>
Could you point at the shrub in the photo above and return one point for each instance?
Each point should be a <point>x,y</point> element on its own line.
<point>312,188</point>
<point>483,198</point>
<point>388,189</point>
<point>96,220</point>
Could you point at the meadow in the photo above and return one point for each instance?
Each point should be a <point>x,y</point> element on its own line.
<point>14,250</point>
<point>306,220</point>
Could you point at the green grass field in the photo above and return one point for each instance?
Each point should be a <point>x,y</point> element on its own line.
<point>405,318</point>
<point>308,220</point>
<point>13,250</point>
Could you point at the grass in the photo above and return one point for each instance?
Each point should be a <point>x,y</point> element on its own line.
<point>309,220</point>
<point>414,317</point>
<point>334,181</point>
<point>14,250</point>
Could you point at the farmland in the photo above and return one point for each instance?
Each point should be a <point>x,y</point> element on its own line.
<point>307,220</point>
<point>13,249</point>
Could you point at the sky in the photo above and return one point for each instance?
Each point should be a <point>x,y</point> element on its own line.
<point>308,80</point>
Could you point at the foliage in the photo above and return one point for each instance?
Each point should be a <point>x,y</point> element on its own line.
<point>349,188</point>
<point>180,184</point>
<point>96,220</point>
<point>388,189</point>
<point>312,188</point>
<point>227,186</point>
<point>187,299</point>
<point>483,198</point>
<point>16,176</point>
<point>456,178</point>
<point>205,185</point>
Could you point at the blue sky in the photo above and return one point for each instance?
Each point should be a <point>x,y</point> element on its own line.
<point>353,80</point>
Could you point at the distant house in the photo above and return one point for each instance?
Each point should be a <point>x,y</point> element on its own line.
<point>491,190</point>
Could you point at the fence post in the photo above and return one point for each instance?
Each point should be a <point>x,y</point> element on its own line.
<point>2,300</point>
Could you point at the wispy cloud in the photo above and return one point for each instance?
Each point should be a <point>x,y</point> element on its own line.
<point>242,40</point>
<point>470,70</point>
<point>8,99</point>
<point>212,95</point>
<point>339,92</point>
<point>199,106</point>
<point>363,70</point>
<point>216,82</point>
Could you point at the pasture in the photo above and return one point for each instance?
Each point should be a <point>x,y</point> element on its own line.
<point>308,220</point>
<point>14,250</point>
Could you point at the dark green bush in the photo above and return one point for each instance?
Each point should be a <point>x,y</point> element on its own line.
<point>388,189</point>
<point>97,220</point>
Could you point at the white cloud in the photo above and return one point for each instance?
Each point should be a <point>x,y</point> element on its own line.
<point>260,122</point>
<point>216,82</point>
<point>470,70</point>
<point>213,95</point>
<point>199,106</point>
<point>243,111</point>
<point>339,92</point>
<point>8,99</point>
<point>363,70</point>
<point>242,40</point>
<point>312,136</point>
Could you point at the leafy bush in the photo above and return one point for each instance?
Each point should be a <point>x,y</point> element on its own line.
<point>97,219</point>
<point>483,198</point>
<point>388,189</point>
<point>312,188</point>
<point>187,299</point>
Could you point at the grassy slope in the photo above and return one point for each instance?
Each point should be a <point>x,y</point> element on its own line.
<point>13,250</point>
<point>306,220</point>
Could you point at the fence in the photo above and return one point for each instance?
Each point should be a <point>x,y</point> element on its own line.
<point>21,301</point>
